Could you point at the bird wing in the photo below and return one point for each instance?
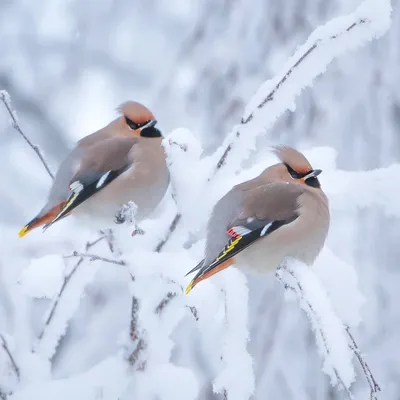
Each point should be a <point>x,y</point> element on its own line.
<point>242,217</point>
<point>100,164</point>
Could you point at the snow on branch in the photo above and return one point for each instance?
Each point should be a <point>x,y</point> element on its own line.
<point>335,342</point>
<point>277,95</point>
<point>65,304</point>
<point>235,359</point>
<point>6,99</point>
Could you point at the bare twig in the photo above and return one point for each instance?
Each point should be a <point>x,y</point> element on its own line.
<point>94,257</point>
<point>3,396</point>
<point>10,356</point>
<point>171,229</point>
<point>270,96</point>
<point>5,98</point>
<point>373,385</point>
<point>164,302</point>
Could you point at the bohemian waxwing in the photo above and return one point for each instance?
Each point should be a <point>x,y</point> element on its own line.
<point>122,162</point>
<point>281,213</point>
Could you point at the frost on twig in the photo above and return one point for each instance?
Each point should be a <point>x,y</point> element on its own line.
<point>13,363</point>
<point>94,257</point>
<point>373,385</point>
<point>278,95</point>
<point>67,279</point>
<point>331,334</point>
<point>6,99</point>
<point>170,231</point>
<point>126,215</point>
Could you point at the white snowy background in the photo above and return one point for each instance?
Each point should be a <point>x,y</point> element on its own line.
<point>65,328</point>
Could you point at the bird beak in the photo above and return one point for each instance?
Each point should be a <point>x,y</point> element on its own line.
<point>314,173</point>
<point>150,124</point>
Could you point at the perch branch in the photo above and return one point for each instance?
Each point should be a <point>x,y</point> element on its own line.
<point>10,356</point>
<point>6,99</point>
<point>300,292</point>
<point>374,387</point>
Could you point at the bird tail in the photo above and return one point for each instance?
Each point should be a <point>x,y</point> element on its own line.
<point>41,220</point>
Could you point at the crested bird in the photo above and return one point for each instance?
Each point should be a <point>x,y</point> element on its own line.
<point>281,213</point>
<point>107,169</point>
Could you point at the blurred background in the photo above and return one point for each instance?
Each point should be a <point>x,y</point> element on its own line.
<point>68,64</point>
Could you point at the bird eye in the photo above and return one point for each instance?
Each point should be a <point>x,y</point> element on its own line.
<point>131,124</point>
<point>292,172</point>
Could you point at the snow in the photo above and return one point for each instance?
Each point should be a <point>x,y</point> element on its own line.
<point>329,330</point>
<point>69,321</point>
<point>43,276</point>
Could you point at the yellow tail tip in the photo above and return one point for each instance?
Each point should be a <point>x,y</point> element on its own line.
<point>189,287</point>
<point>23,231</point>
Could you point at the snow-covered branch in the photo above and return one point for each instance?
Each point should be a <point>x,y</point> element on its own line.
<point>278,95</point>
<point>331,334</point>
<point>6,99</point>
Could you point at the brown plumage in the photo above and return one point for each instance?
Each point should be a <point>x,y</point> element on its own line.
<point>283,212</point>
<point>121,162</point>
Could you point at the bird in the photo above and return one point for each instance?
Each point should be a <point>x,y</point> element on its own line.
<point>281,213</point>
<point>122,162</point>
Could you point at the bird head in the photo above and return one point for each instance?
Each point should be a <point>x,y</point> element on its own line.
<point>295,167</point>
<point>138,120</point>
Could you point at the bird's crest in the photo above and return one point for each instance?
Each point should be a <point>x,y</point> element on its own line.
<point>293,158</point>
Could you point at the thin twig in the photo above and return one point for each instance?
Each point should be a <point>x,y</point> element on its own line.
<point>171,229</point>
<point>10,356</point>
<point>194,312</point>
<point>270,96</point>
<point>136,336</point>
<point>64,286</point>
<point>6,99</point>
<point>3,396</point>
<point>165,301</point>
<point>373,385</point>
<point>94,257</point>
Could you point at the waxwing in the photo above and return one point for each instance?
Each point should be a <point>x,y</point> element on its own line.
<point>281,213</point>
<point>122,162</point>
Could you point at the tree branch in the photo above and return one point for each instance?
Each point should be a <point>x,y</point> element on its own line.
<point>170,231</point>
<point>10,356</point>
<point>63,287</point>
<point>271,95</point>
<point>300,291</point>
<point>6,99</point>
<point>94,257</point>
<point>374,387</point>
